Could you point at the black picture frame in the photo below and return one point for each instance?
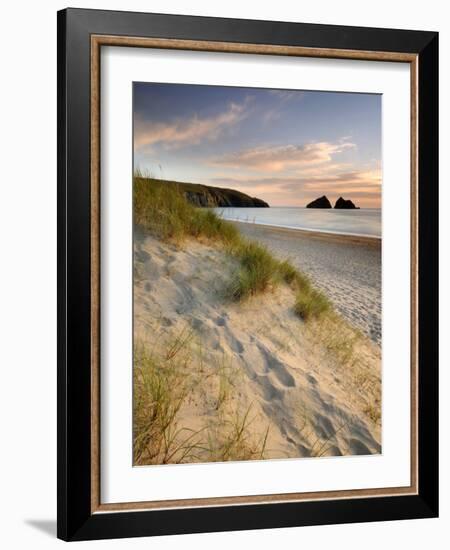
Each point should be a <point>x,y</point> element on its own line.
<point>75,518</point>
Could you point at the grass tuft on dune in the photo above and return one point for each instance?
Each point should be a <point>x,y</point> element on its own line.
<point>164,211</point>
<point>311,304</point>
<point>256,272</point>
<point>162,385</point>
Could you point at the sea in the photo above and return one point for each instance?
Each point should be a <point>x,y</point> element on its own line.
<point>363,222</point>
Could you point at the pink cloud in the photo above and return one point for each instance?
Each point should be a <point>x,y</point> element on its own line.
<point>364,185</point>
<point>283,157</point>
<point>186,131</point>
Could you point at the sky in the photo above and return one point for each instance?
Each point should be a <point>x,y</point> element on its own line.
<point>286,147</point>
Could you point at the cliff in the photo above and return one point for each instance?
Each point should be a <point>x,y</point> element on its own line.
<point>206,195</point>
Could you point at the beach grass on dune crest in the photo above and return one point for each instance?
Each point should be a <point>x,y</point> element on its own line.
<point>165,212</point>
<point>260,270</point>
<point>257,270</point>
<point>311,304</point>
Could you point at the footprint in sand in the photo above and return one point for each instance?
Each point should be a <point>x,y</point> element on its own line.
<point>277,368</point>
<point>221,321</point>
<point>235,344</point>
<point>141,256</point>
<point>209,334</point>
<point>323,426</point>
<point>333,451</point>
<point>357,447</point>
<point>363,440</point>
<point>150,268</point>
<point>270,392</point>
<point>197,324</point>
<point>185,298</point>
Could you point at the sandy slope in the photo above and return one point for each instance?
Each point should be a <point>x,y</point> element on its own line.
<point>348,269</point>
<point>275,366</point>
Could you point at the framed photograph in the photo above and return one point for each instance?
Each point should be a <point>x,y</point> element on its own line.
<point>247,255</point>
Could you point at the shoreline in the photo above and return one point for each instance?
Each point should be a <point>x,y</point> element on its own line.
<point>346,268</point>
<point>336,236</point>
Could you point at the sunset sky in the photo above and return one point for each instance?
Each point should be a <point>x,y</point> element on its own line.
<point>285,147</point>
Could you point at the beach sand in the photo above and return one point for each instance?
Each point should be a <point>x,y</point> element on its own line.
<point>346,268</point>
<point>256,364</point>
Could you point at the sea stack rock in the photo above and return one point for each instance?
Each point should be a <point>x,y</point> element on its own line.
<point>345,204</point>
<point>321,202</point>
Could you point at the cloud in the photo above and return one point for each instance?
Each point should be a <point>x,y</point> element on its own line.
<point>283,157</point>
<point>364,185</point>
<point>186,131</point>
<point>370,179</point>
<point>287,95</point>
<point>364,180</point>
<point>270,116</point>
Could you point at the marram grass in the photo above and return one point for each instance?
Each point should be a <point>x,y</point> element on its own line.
<point>162,385</point>
<point>164,211</point>
<point>310,304</point>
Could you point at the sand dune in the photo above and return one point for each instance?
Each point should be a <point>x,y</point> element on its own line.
<point>347,269</point>
<point>257,358</point>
